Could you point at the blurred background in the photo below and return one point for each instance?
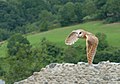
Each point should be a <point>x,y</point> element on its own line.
<point>32,33</point>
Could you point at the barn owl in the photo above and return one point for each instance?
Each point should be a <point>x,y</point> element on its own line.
<point>91,42</point>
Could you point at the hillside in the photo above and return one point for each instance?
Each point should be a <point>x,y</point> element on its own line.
<point>58,35</point>
<point>81,73</point>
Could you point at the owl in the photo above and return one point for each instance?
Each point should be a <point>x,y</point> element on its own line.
<point>91,42</point>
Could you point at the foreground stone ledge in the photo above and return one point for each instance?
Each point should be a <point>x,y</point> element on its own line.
<point>80,73</point>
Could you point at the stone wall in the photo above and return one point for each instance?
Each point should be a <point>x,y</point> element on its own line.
<point>81,73</point>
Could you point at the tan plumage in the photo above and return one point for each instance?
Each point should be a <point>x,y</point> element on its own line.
<point>71,38</point>
<point>91,42</point>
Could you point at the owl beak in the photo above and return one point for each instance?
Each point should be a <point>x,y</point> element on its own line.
<point>79,36</point>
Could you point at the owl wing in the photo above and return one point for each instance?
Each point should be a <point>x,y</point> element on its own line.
<point>91,45</point>
<point>71,39</point>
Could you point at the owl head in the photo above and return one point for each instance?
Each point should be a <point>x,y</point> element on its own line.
<point>79,33</point>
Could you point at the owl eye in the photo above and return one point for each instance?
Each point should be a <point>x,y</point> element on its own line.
<point>80,32</point>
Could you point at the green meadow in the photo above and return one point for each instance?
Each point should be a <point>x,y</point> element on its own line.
<point>58,35</point>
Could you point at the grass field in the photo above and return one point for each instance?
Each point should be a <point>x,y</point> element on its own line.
<point>58,35</point>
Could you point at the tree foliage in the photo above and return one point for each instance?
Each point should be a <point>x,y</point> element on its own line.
<point>112,9</point>
<point>25,16</point>
<point>17,42</point>
<point>71,55</point>
<point>103,44</point>
<point>67,14</point>
<point>43,15</point>
<point>27,60</point>
<point>4,34</point>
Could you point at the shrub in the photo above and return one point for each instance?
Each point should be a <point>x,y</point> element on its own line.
<point>102,41</point>
<point>16,42</point>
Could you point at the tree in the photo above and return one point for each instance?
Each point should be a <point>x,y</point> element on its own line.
<point>89,8</point>
<point>19,59</point>
<point>46,20</point>
<point>103,56</point>
<point>78,11</point>
<point>20,66</point>
<point>103,44</point>
<point>31,9</point>
<point>2,72</point>
<point>67,14</point>
<point>111,54</point>
<point>52,50</point>
<point>9,16</point>
<point>16,42</point>
<point>112,7</point>
<point>47,53</point>
<point>71,55</point>
<point>100,12</point>
<point>100,3</point>
<point>4,34</point>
